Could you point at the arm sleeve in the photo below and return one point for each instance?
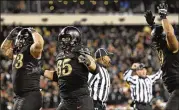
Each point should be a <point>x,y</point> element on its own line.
<point>55,77</point>
<point>156,76</point>
<point>128,77</point>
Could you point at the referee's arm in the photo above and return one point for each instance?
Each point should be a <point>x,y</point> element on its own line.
<point>128,77</point>
<point>156,76</point>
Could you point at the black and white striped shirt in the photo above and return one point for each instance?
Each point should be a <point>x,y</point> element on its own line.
<point>141,88</point>
<point>99,84</point>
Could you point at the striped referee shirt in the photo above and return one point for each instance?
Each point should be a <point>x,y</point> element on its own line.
<point>141,88</point>
<point>99,84</point>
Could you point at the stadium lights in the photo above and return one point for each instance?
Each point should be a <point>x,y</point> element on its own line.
<point>115,1</point>
<point>74,0</point>
<point>65,2</point>
<point>59,0</point>
<point>93,2</point>
<point>82,2</point>
<point>51,8</point>
<point>50,2</point>
<point>106,2</point>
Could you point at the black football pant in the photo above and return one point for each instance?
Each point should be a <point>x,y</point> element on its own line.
<point>98,105</point>
<point>80,103</point>
<point>28,101</point>
<point>173,102</point>
<point>142,106</point>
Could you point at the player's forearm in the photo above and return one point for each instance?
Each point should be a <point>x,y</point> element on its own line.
<point>52,75</point>
<point>49,74</point>
<point>38,40</point>
<point>172,41</point>
<point>7,49</point>
<point>92,67</point>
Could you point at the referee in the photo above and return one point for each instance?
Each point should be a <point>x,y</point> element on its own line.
<point>99,84</point>
<point>141,86</point>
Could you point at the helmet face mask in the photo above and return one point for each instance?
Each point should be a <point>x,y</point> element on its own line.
<point>69,37</point>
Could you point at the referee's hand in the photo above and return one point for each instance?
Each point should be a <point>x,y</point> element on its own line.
<point>135,66</point>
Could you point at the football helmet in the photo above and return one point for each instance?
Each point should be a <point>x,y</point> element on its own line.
<point>70,36</point>
<point>24,38</point>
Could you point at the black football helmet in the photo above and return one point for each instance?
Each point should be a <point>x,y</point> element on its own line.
<point>69,37</point>
<point>24,38</point>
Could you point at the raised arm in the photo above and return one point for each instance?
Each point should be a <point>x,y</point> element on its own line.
<point>128,77</point>
<point>128,74</point>
<point>156,76</point>
<point>52,75</point>
<point>7,45</point>
<point>172,42</point>
<point>37,46</point>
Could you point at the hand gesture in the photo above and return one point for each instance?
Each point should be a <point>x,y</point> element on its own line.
<point>135,66</point>
<point>149,17</point>
<point>84,58</point>
<point>163,10</point>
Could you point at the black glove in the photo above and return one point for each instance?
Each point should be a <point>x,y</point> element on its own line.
<point>149,18</point>
<point>12,35</point>
<point>83,58</point>
<point>162,10</point>
<point>34,69</point>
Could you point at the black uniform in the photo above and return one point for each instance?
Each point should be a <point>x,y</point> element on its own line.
<point>72,79</point>
<point>170,67</point>
<point>26,84</point>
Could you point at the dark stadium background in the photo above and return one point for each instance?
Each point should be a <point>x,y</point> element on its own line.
<point>129,43</point>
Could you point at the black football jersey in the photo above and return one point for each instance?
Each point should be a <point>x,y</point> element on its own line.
<point>24,80</point>
<point>72,75</point>
<point>169,63</point>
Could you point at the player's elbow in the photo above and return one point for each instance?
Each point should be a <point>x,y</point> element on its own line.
<point>38,45</point>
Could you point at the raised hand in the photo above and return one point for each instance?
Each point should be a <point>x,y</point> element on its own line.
<point>163,10</point>
<point>149,17</point>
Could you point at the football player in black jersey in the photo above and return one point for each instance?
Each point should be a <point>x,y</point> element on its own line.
<point>73,63</point>
<point>24,46</point>
<point>165,42</point>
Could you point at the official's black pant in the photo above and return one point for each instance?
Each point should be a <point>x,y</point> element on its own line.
<point>173,102</point>
<point>142,106</point>
<point>80,103</point>
<point>28,101</point>
<point>99,105</point>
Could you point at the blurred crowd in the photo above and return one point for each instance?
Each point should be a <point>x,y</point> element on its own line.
<point>85,6</point>
<point>129,44</point>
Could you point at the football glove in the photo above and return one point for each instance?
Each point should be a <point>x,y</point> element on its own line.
<point>84,58</point>
<point>149,17</point>
<point>163,10</point>
<point>12,35</point>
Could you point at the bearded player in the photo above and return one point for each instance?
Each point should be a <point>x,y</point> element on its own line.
<point>165,42</point>
<point>73,63</point>
<point>24,46</point>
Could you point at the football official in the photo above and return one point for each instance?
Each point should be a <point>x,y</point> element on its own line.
<point>165,43</point>
<point>99,84</point>
<point>141,86</point>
